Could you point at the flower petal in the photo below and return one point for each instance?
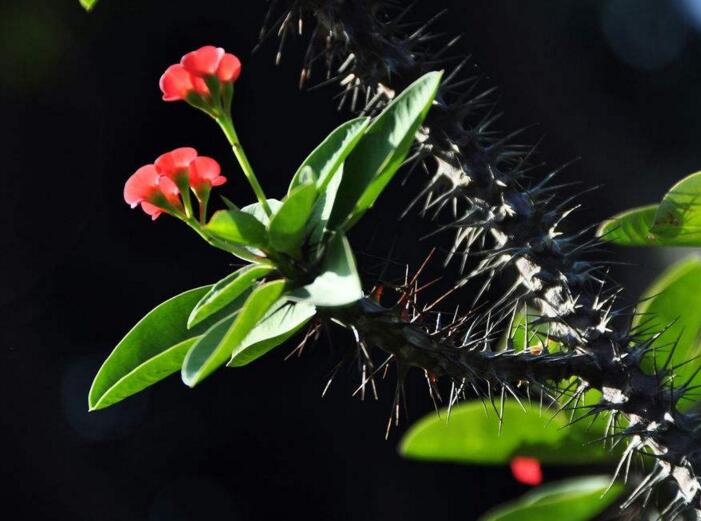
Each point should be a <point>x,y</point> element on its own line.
<point>141,185</point>
<point>175,161</point>
<point>229,68</point>
<point>204,60</point>
<point>151,209</point>
<point>203,169</point>
<point>170,191</point>
<point>218,181</point>
<point>176,83</point>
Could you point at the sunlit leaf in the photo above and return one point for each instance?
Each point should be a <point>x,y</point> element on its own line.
<point>238,227</point>
<point>339,283</point>
<point>631,228</point>
<point>678,216</point>
<point>226,291</point>
<point>215,348</point>
<point>381,151</point>
<point>281,322</point>
<point>578,499</point>
<point>471,435</point>
<point>325,159</point>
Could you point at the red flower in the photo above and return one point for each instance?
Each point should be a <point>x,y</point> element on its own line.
<point>155,193</point>
<point>181,80</point>
<point>185,167</point>
<point>527,470</point>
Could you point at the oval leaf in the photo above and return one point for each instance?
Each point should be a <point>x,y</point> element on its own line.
<point>153,341</point>
<point>631,228</point>
<point>215,348</point>
<point>287,227</point>
<point>338,284</point>
<point>578,499</point>
<point>238,227</point>
<point>281,322</point>
<point>471,435</point>
<point>325,159</point>
<point>226,291</point>
<point>382,149</point>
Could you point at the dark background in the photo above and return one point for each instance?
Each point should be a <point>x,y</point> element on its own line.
<point>614,82</point>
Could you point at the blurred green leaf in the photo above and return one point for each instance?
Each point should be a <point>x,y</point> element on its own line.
<point>287,227</point>
<point>152,350</point>
<point>578,499</point>
<point>88,4</point>
<point>631,228</point>
<point>325,159</point>
<point>471,435</point>
<point>281,322</point>
<point>339,283</point>
<point>381,151</point>
<point>238,227</point>
<point>226,291</point>
<point>674,301</point>
<point>215,348</point>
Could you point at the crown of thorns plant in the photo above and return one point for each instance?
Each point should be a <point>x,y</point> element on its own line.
<point>481,186</point>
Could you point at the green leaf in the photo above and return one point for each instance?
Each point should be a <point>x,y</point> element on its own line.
<point>471,435</point>
<point>674,301</point>
<point>678,217</point>
<point>381,150</point>
<point>145,374</point>
<point>238,227</point>
<point>676,221</point>
<point>88,4</point>
<point>153,349</point>
<point>316,226</point>
<point>215,348</point>
<point>325,159</point>
<point>338,284</point>
<point>281,322</point>
<point>631,228</point>
<point>578,499</point>
<point>226,291</point>
<point>287,227</point>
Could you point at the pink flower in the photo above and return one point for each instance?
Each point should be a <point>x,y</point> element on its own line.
<point>155,193</point>
<point>527,470</point>
<point>190,75</point>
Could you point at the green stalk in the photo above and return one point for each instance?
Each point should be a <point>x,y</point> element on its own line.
<point>228,127</point>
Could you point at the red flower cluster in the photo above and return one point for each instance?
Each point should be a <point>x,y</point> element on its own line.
<point>158,187</point>
<point>195,69</point>
<point>527,470</point>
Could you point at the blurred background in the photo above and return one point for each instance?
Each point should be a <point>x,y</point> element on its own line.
<point>613,82</point>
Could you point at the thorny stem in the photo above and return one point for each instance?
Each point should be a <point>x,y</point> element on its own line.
<point>227,126</point>
<point>484,180</point>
